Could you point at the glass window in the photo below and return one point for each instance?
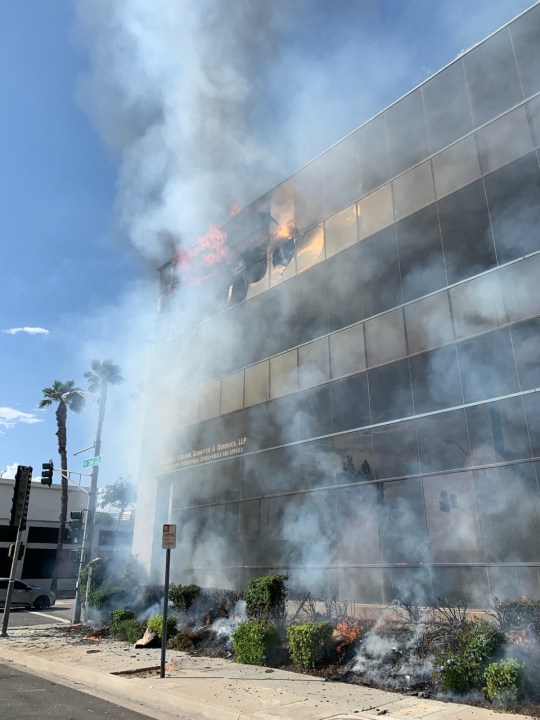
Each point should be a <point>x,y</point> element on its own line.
<point>284,374</point>
<point>390,392</point>
<point>531,404</point>
<point>320,464</point>
<point>309,248</point>
<point>188,407</point>
<point>375,211</point>
<point>428,323</point>
<point>447,121</point>
<point>232,392</point>
<point>373,156</point>
<point>257,380</point>
<point>520,288</point>
<point>308,184</point>
<point>385,338</point>
<point>504,139</point>
<point>407,135</point>
<point>350,403</point>
<point>487,366</point>
<point>498,432</point>
<point>462,583</point>
<point>282,230</point>
<point>312,303</point>
<point>257,275</point>
<point>525,32</point>
<point>358,527</point>
<point>413,190</point>
<point>342,175</point>
<point>443,441</point>
<point>492,77</point>
<point>362,585</point>
<point>314,412</point>
<point>209,400</point>
<point>435,380</point>
<point>395,449</point>
<point>347,351</point>
<point>456,166</point>
<point>313,363</point>
<point>378,272</point>
<point>526,342</point>
<point>341,231</point>
<point>466,234</point>
<point>477,305</point>
<point>452,518</point>
<point>402,522</point>
<point>420,254</point>
<point>284,470</point>
<point>513,194</point>
<point>355,450</point>
<point>534,113</point>
<point>509,505</point>
<point>344,301</point>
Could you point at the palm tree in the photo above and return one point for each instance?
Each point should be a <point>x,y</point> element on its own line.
<point>99,378</point>
<point>66,395</point>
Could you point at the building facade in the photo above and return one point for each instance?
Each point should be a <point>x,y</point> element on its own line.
<point>352,395</point>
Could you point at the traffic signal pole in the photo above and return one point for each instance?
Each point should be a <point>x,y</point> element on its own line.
<point>12,577</point>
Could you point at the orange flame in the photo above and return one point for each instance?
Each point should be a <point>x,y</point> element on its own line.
<point>285,230</point>
<point>205,253</point>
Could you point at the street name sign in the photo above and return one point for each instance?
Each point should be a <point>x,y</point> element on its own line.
<point>89,462</point>
<point>168,541</point>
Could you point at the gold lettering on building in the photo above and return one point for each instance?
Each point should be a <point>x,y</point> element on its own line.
<point>197,456</point>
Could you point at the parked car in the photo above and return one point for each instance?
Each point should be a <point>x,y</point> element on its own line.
<point>26,595</point>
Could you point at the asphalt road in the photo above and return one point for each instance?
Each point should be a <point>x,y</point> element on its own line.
<point>23,695</point>
<point>60,613</point>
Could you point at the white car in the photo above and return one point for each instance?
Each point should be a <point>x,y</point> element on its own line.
<point>26,595</point>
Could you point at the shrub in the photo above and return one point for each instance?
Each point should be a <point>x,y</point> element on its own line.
<point>181,641</point>
<point>517,615</point>
<point>183,596</point>
<point>463,670</point>
<point>265,598</point>
<point>99,598</point>
<point>155,624</point>
<point>254,641</point>
<point>505,681</point>
<point>129,630</point>
<point>118,616</point>
<point>309,643</point>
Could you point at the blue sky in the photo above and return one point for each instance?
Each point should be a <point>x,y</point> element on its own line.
<point>69,268</point>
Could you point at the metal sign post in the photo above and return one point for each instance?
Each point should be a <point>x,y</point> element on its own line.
<point>168,542</point>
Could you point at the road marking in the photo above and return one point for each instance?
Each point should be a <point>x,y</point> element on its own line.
<point>53,617</point>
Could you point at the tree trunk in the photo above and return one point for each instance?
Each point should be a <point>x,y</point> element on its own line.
<point>61,434</point>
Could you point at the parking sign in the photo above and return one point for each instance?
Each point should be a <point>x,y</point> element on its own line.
<point>168,541</point>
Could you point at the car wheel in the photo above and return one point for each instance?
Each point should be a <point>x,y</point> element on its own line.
<point>42,602</point>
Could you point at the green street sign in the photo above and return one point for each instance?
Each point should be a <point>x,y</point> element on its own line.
<point>92,461</point>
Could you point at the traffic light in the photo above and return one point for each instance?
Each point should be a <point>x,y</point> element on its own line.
<point>21,496</point>
<point>444,501</point>
<point>75,527</point>
<point>47,473</point>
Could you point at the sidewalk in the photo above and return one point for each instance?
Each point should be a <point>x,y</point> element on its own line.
<point>217,689</point>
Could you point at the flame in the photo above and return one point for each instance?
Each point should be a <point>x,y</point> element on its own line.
<point>234,209</point>
<point>350,630</point>
<point>206,252</point>
<point>285,230</point>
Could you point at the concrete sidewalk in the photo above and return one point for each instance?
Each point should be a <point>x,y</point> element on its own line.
<point>201,687</point>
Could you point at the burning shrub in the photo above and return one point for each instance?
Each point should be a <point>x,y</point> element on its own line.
<point>310,643</point>
<point>129,630</point>
<point>181,641</point>
<point>464,670</point>
<point>183,596</point>
<point>515,616</point>
<point>254,641</point>
<point>118,616</point>
<point>266,597</point>
<point>155,624</point>
<point>505,681</point>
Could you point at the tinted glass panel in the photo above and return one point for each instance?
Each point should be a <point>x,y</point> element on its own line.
<point>209,400</point>
<point>435,380</point>
<point>492,77</point>
<point>467,584</point>
<point>428,323</point>
<point>257,379</point>
<point>390,392</point>
<point>373,154</point>
<point>403,522</point>
<point>455,167</point>
<point>344,301</point>
<point>407,132</point>
<point>358,525</point>
<point>379,272</point>
<point>447,121</point>
<point>350,403</point>
<point>525,33</point>
<point>284,374</point>
<point>487,366</point>
<point>363,585</point>
<point>413,190</point>
<point>385,338</point>
<point>232,392</point>
<point>320,464</point>
<point>313,363</point>
<point>342,175</point>
<point>347,353</point>
<point>443,441</point>
<point>452,517</point>
<point>466,234</point>
<point>356,454</point>
<point>312,305</point>
<point>341,231</point>
<point>514,203</point>
<point>498,431</point>
<point>375,211</point>
<point>504,139</point>
<point>309,248</point>
<point>309,194</point>
<point>314,412</point>
<point>477,305</point>
<point>531,404</point>
<point>188,407</point>
<point>420,254</point>
<point>526,341</point>
<point>395,450</point>
<point>520,288</point>
<point>534,113</point>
